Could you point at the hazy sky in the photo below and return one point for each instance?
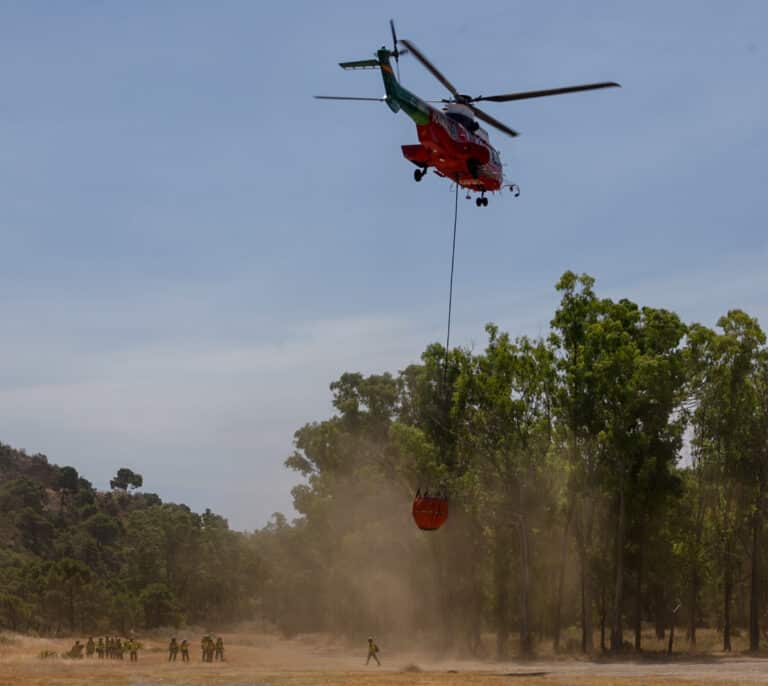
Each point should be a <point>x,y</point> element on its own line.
<point>193,249</point>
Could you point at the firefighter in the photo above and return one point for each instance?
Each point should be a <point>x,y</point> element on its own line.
<point>173,649</point>
<point>373,649</point>
<point>219,649</point>
<point>133,648</point>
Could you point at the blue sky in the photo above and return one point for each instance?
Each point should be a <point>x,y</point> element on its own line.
<point>192,248</point>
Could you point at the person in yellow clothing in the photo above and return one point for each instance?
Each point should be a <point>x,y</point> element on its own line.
<point>133,649</point>
<point>373,649</point>
<point>173,650</point>
<point>218,650</point>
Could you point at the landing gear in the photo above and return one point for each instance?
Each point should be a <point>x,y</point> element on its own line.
<point>418,174</point>
<point>482,201</point>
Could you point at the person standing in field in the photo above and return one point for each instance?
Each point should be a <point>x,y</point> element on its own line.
<point>373,649</point>
<point>90,647</point>
<point>219,649</point>
<point>173,649</point>
<point>133,649</point>
<point>100,648</point>
<point>184,650</point>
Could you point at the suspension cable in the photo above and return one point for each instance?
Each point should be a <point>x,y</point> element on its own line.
<point>453,260</point>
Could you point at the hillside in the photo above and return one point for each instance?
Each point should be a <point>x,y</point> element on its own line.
<point>73,558</point>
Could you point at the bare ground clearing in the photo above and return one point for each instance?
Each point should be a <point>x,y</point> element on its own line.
<point>262,660</point>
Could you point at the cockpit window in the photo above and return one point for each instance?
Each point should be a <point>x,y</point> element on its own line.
<point>467,122</point>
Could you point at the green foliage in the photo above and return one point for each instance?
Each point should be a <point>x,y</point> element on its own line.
<point>126,478</point>
<point>597,477</point>
<point>159,605</point>
<point>75,559</point>
<point>572,497</point>
<point>68,479</point>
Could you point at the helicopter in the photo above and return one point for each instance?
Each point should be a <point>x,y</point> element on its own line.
<point>451,141</point>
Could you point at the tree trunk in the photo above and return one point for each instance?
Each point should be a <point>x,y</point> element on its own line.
<point>525,583</point>
<point>561,583</point>
<point>71,610</point>
<point>695,576</point>
<point>659,612</point>
<point>582,537</point>
<point>727,594</point>
<point>603,614</point>
<point>754,586</point>
<point>692,607</point>
<point>671,635</point>
<point>501,579</point>
<point>639,595</point>
<point>617,635</point>
<point>474,630</point>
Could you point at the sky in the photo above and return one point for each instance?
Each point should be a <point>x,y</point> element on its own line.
<point>193,248</point>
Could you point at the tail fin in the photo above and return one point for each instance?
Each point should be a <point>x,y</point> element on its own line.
<point>391,84</point>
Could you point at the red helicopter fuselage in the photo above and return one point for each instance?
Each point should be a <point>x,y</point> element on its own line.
<point>448,144</point>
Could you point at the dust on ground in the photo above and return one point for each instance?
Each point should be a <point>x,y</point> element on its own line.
<point>266,660</point>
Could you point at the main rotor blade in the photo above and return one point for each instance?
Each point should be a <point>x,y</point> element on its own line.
<point>431,68</point>
<point>395,52</point>
<point>346,97</point>
<point>488,119</point>
<point>524,95</point>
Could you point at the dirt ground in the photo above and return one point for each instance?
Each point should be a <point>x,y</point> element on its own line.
<point>263,660</point>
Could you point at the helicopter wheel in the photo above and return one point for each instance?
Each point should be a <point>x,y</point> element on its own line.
<point>418,174</point>
<point>481,202</point>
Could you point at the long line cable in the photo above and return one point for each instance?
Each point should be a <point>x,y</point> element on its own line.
<point>450,287</point>
<point>453,261</point>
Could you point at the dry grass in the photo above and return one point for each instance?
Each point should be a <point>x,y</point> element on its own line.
<point>262,660</point>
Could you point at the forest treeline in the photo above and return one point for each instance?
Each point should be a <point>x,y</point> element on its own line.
<point>606,477</point>
<point>76,560</point>
<point>603,479</point>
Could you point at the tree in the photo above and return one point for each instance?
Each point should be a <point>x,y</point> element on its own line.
<point>729,435</point>
<point>160,606</point>
<point>68,479</point>
<point>126,478</point>
<point>622,375</point>
<point>14,611</point>
<point>577,409</point>
<point>103,528</point>
<point>507,392</point>
<point>69,578</point>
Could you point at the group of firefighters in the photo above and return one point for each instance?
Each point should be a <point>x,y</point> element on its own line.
<point>109,647</point>
<point>210,649</point>
<point>114,648</point>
